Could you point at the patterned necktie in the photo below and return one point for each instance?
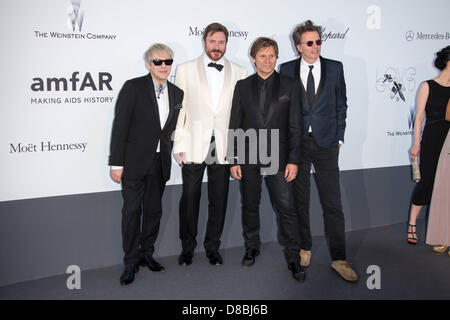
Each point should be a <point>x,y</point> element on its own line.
<point>310,88</point>
<point>159,90</point>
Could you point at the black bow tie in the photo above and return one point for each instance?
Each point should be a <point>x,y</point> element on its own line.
<point>219,67</point>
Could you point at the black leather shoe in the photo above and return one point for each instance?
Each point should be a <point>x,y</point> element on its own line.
<point>215,258</point>
<point>185,258</point>
<point>249,258</point>
<point>297,271</point>
<point>151,263</point>
<point>128,274</point>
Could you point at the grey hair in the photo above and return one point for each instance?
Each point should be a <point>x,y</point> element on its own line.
<point>157,47</point>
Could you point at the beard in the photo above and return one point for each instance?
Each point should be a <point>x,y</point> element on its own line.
<point>211,52</point>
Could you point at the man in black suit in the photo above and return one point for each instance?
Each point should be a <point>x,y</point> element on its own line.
<point>140,157</point>
<point>265,105</point>
<point>324,108</point>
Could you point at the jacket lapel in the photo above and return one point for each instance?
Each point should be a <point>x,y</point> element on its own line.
<point>171,103</point>
<point>152,96</point>
<point>204,80</point>
<point>323,76</point>
<point>302,87</point>
<point>226,84</point>
<point>297,70</point>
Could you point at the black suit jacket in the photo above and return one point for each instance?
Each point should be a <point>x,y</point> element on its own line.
<point>136,128</point>
<point>283,114</point>
<point>328,113</point>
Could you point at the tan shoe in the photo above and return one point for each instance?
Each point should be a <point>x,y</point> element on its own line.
<point>440,248</point>
<point>305,258</point>
<point>344,270</point>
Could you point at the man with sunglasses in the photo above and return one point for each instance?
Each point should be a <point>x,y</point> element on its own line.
<point>200,140</point>
<point>146,113</point>
<point>324,106</point>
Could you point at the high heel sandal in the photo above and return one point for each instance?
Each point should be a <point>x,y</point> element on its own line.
<point>440,248</point>
<point>413,238</point>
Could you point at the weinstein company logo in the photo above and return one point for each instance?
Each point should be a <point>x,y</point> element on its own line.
<point>76,15</point>
<point>403,132</point>
<point>412,117</point>
<point>75,18</point>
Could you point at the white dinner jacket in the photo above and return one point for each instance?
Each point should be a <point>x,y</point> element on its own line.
<point>198,119</point>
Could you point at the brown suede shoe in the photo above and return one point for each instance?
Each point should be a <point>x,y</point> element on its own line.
<point>305,258</point>
<point>344,270</point>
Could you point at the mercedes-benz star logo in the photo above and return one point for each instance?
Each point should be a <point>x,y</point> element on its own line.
<point>409,36</point>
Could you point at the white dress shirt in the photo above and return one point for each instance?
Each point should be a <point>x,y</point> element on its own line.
<point>215,81</point>
<point>163,106</point>
<point>304,72</point>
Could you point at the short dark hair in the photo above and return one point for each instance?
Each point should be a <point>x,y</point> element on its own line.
<point>215,27</point>
<point>306,26</point>
<point>263,42</point>
<point>442,58</point>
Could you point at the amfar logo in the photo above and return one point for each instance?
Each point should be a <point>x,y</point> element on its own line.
<point>397,81</point>
<point>62,84</point>
<point>75,15</point>
<point>62,90</point>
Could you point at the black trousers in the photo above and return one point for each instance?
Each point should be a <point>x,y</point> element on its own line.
<point>141,212</point>
<point>326,176</point>
<point>218,182</point>
<point>281,194</point>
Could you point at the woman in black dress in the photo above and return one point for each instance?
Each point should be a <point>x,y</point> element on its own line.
<point>432,100</point>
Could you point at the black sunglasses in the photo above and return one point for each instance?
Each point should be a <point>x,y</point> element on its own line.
<point>158,62</point>
<point>310,43</point>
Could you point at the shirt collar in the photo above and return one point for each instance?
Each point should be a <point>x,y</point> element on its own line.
<point>268,79</point>
<point>156,84</point>
<point>305,64</point>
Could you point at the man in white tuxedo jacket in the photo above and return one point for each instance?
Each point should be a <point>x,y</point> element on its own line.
<point>201,140</point>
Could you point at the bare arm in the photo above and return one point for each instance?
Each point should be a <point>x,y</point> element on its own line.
<point>422,97</point>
